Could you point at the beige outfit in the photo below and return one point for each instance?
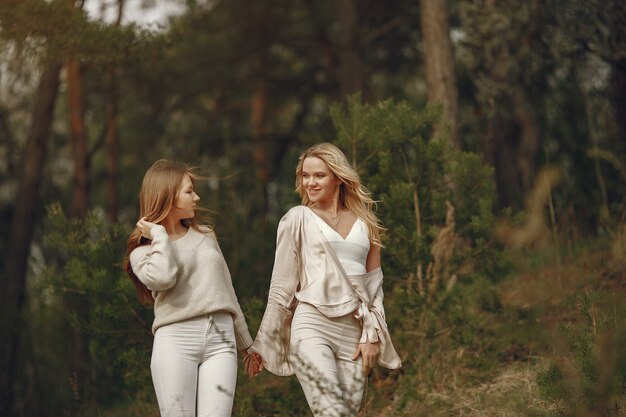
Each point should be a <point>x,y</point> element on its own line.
<point>188,278</point>
<point>306,269</point>
<point>197,323</point>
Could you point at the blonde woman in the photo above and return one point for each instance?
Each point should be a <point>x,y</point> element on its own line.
<point>177,264</point>
<point>328,266</point>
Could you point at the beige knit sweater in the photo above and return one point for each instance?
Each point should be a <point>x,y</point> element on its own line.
<point>188,278</point>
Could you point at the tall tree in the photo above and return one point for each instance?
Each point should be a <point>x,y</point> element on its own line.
<point>352,72</point>
<point>80,204</point>
<point>111,132</point>
<point>258,120</point>
<point>509,83</point>
<point>439,65</point>
<point>78,138</point>
<point>22,227</point>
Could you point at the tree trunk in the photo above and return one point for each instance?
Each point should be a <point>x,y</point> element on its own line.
<point>111,148</point>
<point>80,207</point>
<point>529,133</point>
<point>503,154</point>
<point>258,119</point>
<point>619,103</point>
<point>112,203</point>
<point>22,227</point>
<point>511,139</point>
<point>78,138</point>
<point>439,65</point>
<point>351,72</point>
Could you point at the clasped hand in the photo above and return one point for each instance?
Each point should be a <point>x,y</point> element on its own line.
<point>368,352</point>
<point>253,363</point>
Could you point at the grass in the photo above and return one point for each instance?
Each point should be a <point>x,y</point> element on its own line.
<point>522,338</point>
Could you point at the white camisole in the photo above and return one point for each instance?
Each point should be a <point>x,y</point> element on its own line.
<point>351,251</point>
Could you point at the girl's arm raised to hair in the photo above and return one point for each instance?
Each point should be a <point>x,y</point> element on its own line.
<point>155,264</point>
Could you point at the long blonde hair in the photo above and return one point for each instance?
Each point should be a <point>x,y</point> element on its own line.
<point>352,194</point>
<point>159,189</point>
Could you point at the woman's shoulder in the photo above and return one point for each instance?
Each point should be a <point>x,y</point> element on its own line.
<point>294,214</point>
<point>296,210</point>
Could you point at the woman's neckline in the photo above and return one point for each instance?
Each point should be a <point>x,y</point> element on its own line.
<point>344,239</point>
<point>182,236</point>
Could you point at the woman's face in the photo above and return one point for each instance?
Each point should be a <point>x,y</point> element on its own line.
<point>318,180</point>
<point>185,201</point>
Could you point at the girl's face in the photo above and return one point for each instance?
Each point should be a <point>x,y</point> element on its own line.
<point>318,180</point>
<point>185,201</point>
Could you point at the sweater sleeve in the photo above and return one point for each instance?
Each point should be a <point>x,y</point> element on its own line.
<point>272,339</point>
<point>155,264</point>
<point>242,335</point>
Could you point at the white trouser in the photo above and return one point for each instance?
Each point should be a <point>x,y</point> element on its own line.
<point>322,349</point>
<point>194,364</point>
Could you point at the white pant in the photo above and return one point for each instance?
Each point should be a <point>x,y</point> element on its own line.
<point>322,349</point>
<point>194,367</point>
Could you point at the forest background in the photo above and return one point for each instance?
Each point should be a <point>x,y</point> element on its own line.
<point>493,134</point>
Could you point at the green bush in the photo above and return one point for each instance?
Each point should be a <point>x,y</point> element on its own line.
<point>109,330</point>
<point>415,176</point>
<point>440,259</point>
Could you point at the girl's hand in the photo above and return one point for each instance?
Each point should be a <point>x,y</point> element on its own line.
<point>253,363</point>
<point>368,352</point>
<point>145,227</point>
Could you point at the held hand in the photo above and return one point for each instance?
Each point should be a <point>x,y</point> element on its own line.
<point>369,353</point>
<point>253,363</point>
<point>145,227</point>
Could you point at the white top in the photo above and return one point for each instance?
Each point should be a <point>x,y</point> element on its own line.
<point>351,251</point>
<point>188,278</point>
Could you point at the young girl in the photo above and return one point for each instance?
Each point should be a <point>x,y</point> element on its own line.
<point>328,264</point>
<point>177,264</point>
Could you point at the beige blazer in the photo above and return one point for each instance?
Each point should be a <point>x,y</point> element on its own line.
<point>306,269</point>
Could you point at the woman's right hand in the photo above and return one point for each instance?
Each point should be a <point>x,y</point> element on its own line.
<point>145,227</point>
<point>253,363</point>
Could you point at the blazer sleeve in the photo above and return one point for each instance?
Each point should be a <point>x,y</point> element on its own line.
<point>155,264</point>
<point>272,339</point>
<point>371,312</point>
<point>388,356</point>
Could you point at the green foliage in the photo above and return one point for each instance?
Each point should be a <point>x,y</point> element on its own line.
<point>436,325</point>
<point>55,30</point>
<point>414,176</point>
<point>587,375</point>
<point>548,72</point>
<point>85,280</point>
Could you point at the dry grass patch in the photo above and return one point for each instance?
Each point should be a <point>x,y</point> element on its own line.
<point>512,392</point>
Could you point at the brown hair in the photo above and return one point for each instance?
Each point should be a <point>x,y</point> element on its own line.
<point>352,194</point>
<point>159,188</point>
